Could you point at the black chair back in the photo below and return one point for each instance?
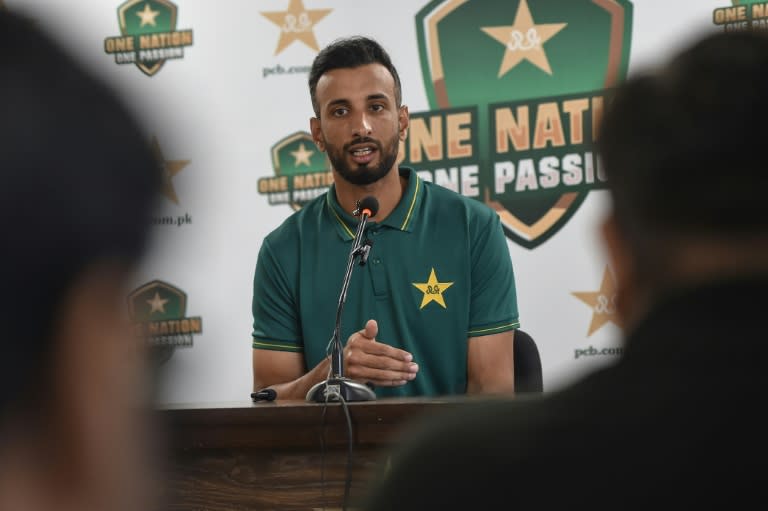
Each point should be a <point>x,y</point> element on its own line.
<point>528,373</point>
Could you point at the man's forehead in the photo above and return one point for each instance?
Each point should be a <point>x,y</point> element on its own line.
<point>353,82</point>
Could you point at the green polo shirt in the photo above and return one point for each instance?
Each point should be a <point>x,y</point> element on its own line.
<point>439,272</point>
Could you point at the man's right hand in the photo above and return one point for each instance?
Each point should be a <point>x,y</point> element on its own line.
<point>383,365</point>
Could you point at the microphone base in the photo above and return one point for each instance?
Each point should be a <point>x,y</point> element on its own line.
<point>330,390</point>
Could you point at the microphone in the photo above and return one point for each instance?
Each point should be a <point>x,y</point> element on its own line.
<point>337,386</point>
<point>264,395</point>
<point>367,206</point>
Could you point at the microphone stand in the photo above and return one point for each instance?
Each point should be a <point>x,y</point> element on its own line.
<point>338,386</point>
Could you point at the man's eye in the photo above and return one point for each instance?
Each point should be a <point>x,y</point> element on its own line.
<point>377,108</point>
<point>339,112</point>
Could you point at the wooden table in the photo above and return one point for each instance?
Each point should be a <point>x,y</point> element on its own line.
<point>281,455</point>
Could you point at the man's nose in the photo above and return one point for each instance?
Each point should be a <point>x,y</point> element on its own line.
<point>362,126</point>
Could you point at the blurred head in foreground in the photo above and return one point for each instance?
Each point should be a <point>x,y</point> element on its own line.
<point>77,187</point>
<point>682,150</point>
<point>676,417</point>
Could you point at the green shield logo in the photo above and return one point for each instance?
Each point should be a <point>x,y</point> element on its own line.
<point>517,89</point>
<point>158,310</point>
<point>149,36</point>
<point>302,172</point>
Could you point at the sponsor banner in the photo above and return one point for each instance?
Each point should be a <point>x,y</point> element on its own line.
<point>504,100</point>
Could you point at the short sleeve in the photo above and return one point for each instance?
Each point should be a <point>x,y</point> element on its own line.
<point>275,314</point>
<point>493,306</point>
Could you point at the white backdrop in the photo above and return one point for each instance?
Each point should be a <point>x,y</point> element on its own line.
<point>216,117</point>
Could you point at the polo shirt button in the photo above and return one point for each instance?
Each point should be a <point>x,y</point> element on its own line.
<point>376,260</point>
<point>375,233</point>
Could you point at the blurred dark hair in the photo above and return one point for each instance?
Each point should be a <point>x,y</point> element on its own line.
<point>79,184</point>
<point>350,52</point>
<point>683,147</point>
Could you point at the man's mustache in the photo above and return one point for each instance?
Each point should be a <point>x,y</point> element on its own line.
<point>363,140</point>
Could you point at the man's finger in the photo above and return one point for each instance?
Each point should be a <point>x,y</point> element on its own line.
<point>374,375</point>
<point>388,383</point>
<point>374,361</point>
<point>385,350</point>
<point>371,329</point>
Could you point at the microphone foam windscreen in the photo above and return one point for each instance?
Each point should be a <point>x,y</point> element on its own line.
<point>370,203</point>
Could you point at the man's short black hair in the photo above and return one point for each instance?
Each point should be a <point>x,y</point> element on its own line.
<point>350,52</point>
<point>683,147</point>
<point>79,184</point>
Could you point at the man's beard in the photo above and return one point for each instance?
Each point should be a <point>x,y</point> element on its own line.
<point>364,174</point>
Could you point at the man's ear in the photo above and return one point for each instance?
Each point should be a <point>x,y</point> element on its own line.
<point>317,134</point>
<point>620,260</point>
<point>403,120</point>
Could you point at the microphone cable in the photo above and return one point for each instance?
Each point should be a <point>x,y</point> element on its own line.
<point>322,437</point>
<point>348,479</point>
<point>350,448</point>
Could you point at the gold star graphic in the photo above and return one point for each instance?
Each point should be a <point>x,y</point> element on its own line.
<point>169,169</point>
<point>157,304</point>
<point>524,40</point>
<point>296,24</point>
<point>602,302</point>
<point>301,155</point>
<point>147,16</point>
<point>433,290</point>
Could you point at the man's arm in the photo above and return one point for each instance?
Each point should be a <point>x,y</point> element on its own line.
<point>284,372</point>
<point>493,311</point>
<point>490,364</point>
<point>365,360</point>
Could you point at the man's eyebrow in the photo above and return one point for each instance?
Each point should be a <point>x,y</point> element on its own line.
<point>370,97</point>
<point>340,101</point>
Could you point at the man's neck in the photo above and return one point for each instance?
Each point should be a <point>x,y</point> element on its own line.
<point>387,190</point>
